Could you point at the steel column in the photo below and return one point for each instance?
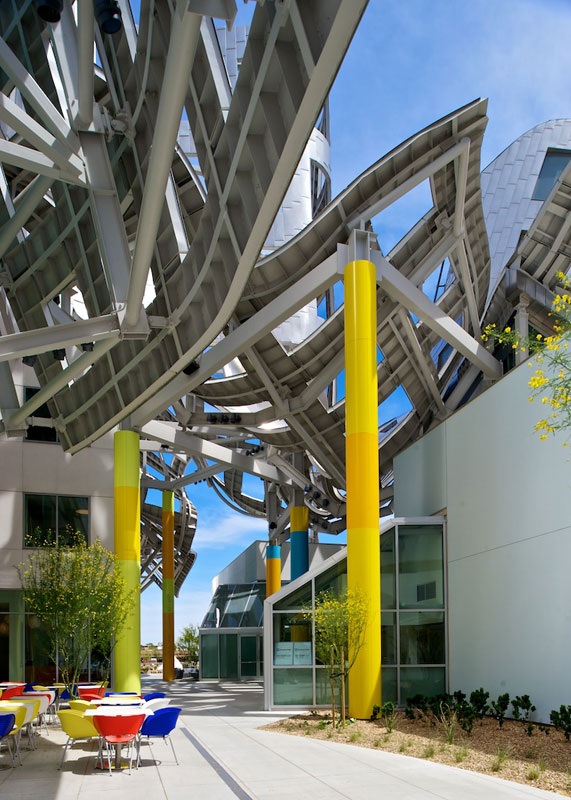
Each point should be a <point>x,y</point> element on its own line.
<point>362,454</point>
<point>168,586</point>
<point>127,661</point>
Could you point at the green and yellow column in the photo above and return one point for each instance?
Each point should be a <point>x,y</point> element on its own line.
<point>127,653</point>
<point>168,586</point>
<point>362,466</point>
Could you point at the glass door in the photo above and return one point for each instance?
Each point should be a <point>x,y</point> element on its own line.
<point>248,657</point>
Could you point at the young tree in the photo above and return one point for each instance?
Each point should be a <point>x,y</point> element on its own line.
<point>188,642</point>
<point>80,600</point>
<point>552,385</point>
<point>339,630</point>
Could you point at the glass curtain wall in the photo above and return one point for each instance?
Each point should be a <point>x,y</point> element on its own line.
<point>231,642</point>
<point>413,621</point>
<point>24,646</point>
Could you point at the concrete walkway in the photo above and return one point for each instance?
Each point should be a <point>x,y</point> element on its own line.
<point>223,756</point>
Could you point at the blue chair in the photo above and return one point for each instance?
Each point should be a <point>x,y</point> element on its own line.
<point>7,722</point>
<point>161,723</point>
<point>154,695</point>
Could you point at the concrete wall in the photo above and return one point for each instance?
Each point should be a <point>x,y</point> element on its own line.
<point>45,469</point>
<point>507,495</point>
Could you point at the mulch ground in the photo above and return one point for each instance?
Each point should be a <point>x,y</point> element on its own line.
<point>540,760</point>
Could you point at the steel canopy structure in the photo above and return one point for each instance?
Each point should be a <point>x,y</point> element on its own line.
<point>98,195</point>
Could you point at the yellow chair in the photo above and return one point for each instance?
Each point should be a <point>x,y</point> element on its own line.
<point>76,726</point>
<point>33,711</point>
<point>21,712</point>
<point>81,705</point>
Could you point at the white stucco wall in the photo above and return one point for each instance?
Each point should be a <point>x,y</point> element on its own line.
<point>42,468</point>
<point>508,501</point>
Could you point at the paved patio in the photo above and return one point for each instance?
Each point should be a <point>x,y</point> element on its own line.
<point>223,756</point>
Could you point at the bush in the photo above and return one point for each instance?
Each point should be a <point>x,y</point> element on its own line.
<point>562,720</point>
<point>416,706</point>
<point>479,701</point>
<point>499,708</point>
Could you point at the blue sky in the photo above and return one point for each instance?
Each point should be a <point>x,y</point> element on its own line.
<point>409,64</point>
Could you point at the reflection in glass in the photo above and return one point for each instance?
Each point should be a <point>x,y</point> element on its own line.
<point>323,688</point>
<point>73,519</point>
<point>39,520</point>
<point>422,637</point>
<point>236,605</point>
<point>209,656</point>
<point>301,598</point>
<point>421,680</point>
<point>389,684</point>
<point>334,580</point>
<point>293,687</point>
<point>292,640</point>
<point>388,637</point>
<point>421,573</point>
<point>228,655</point>
<point>388,570</point>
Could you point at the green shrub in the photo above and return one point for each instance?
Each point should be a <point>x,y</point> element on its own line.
<point>499,708</point>
<point>562,720</point>
<point>479,701</point>
<point>416,706</point>
<point>523,708</point>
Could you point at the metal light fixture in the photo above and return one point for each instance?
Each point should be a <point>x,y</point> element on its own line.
<point>108,16</point>
<point>49,10</point>
<point>29,361</point>
<point>59,354</point>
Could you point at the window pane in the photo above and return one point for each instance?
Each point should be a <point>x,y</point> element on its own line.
<point>334,580</point>
<point>235,605</point>
<point>39,666</point>
<point>209,656</point>
<point>422,637</point>
<point>323,688</point>
<point>389,684</point>
<point>421,569</point>
<point>388,637</point>
<point>254,611</point>
<point>73,519</point>
<point>229,655</point>
<point>421,680</point>
<point>40,520</point>
<point>293,687</point>
<point>301,598</point>
<point>388,570</point>
<point>554,164</point>
<point>292,640</point>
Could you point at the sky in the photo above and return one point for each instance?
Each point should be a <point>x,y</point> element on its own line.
<point>409,64</point>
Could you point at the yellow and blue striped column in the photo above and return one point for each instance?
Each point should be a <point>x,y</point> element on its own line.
<point>362,457</point>
<point>299,541</point>
<point>168,586</point>
<point>127,654</point>
<point>273,569</point>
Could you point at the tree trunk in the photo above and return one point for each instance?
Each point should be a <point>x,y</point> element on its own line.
<point>343,686</point>
<point>332,679</point>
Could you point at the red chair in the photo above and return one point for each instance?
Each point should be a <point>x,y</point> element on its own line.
<point>13,691</point>
<point>91,692</point>
<point>118,731</point>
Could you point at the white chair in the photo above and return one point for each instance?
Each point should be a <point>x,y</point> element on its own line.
<point>156,702</point>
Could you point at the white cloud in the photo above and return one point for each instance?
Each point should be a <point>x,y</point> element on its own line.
<point>189,609</point>
<point>216,533</point>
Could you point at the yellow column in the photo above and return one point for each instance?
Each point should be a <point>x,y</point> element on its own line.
<point>127,654</point>
<point>362,457</point>
<point>273,569</point>
<point>168,586</point>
